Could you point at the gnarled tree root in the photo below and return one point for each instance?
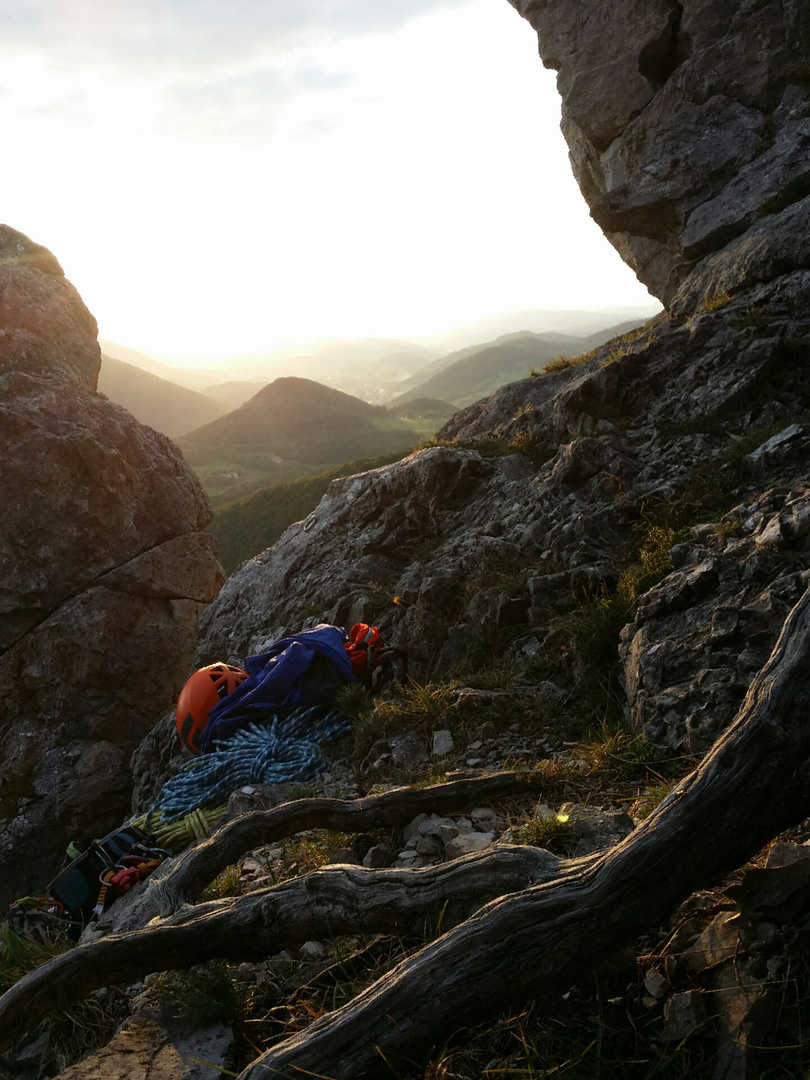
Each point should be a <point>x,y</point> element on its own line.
<point>752,784</point>
<point>336,900</point>
<point>163,894</point>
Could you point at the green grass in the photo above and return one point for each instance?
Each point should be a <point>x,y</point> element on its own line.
<point>561,362</point>
<point>554,832</point>
<point>617,756</point>
<point>422,427</point>
<point>19,955</point>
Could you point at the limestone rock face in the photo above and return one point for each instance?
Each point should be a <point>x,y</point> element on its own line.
<point>688,125</point>
<point>105,569</point>
<point>344,562</point>
<point>697,639</point>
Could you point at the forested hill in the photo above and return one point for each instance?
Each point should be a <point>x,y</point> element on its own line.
<point>301,420</point>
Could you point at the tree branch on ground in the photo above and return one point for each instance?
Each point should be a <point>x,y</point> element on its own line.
<point>750,786</point>
<point>199,865</point>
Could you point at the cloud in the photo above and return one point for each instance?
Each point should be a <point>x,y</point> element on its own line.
<point>246,105</point>
<point>152,38</point>
<point>225,70</point>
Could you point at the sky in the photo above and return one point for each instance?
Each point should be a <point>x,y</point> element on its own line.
<point>220,177</point>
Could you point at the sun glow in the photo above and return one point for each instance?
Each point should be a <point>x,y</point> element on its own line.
<point>392,184</point>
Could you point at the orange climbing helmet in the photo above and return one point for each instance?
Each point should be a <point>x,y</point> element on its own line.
<point>198,697</point>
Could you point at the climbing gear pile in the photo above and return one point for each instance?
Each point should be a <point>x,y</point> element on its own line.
<point>297,672</point>
<point>375,663</point>
<point>263,725</point>
<point>108,868</point>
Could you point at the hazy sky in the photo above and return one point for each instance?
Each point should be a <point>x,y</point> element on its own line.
<point>219,177</point>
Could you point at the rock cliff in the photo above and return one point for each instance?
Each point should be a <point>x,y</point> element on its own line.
<point>105,569</point>
<point>688,125</point>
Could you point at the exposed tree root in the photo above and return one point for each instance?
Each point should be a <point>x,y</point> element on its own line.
<point>336,900</point>
<point>164,894</point>
<point>753,784</point>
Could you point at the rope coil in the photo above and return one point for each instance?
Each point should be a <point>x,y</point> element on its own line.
<point>285,749</point>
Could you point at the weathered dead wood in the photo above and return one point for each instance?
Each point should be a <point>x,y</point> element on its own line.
<point>330,902</point>
<point>199,865</point>
<point>752,784</point>
<point>337,900</point>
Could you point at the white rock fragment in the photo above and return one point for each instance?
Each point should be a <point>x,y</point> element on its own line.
<point>414,827</point>
<point>656,984</point>
<point>466,843</point>
<point>311,950</point>
<point>443,743</point>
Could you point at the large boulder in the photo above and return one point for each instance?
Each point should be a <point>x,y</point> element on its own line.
<point>688,125</point>
<point>105,569</point>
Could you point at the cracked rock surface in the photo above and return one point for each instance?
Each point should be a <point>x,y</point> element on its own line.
<point>687,123</point>
<point>105,569</point>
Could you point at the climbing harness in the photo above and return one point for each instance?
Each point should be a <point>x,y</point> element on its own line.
<point>110,865</point>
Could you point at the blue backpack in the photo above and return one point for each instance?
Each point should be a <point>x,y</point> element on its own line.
<point>298,672</point>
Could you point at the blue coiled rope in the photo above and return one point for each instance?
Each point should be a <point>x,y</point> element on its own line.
<point>283,750</point>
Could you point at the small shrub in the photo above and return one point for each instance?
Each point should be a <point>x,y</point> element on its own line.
<point>650,799</point>
<point>618,756</point>
<point>550,831</point>
<point>561,362</point>
<point>225,884</point>
<point>730,525</point>
<point>353,702</point>
<point>616,353</point>
<point>716,302</point>
<point>654,562</point>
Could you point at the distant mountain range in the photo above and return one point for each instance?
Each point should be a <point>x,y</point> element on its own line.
<point>475,372</point>
<point>243,434</point>
<point>161,404</point>
<point>574,323</point>
<point>374,368</point>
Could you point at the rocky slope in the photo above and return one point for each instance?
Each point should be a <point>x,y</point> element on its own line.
<point>105,569</point>
<point>678,424</point>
